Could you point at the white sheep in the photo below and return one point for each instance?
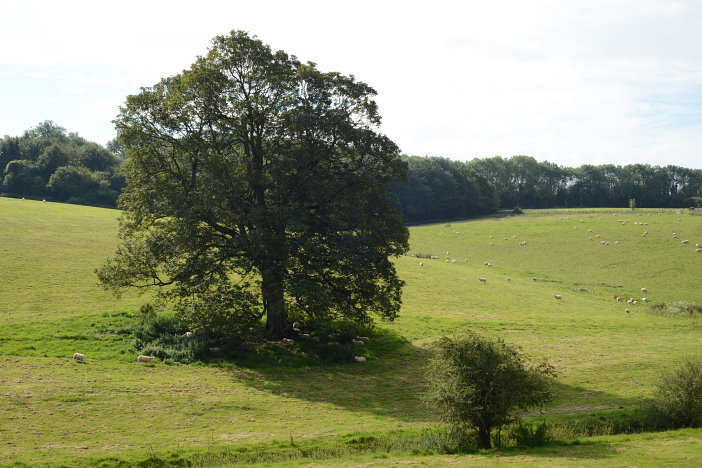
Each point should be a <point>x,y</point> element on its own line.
<point>686,241</point>
<point>698,250</point>
<point>79,357</point>
<point>644,290</point>
<point>698,245</point>
<point>358,342</point>
<point>558,296</point>
<point>287,341</point>
<point>359,359</point>
<point>188,334</point>
<point>362,338</point>
<point>508,279</point>
<point>305,336</point>
<point>421,263</point>
<point>296,324</point>
<point>627,310</point>
<point>482,279</point>
<point>643,299</point>
<point>453,261</point>
<point>142,358</point>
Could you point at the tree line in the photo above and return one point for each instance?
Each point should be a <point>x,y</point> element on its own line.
<point>439,188</point>
<point>47,162</point>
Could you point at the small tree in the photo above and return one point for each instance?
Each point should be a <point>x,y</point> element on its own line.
<point>479,384</point>
<point>678,397</point>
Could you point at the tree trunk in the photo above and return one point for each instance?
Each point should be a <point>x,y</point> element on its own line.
<point>272,292</point>
<point>484,436</point>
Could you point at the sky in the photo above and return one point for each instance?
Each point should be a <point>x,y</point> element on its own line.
<point>569,82</point>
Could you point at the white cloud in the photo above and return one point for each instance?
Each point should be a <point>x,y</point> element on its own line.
<point>571,82</point>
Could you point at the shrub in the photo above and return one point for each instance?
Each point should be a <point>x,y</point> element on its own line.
<point>677,401</point>
<point>479,384</point>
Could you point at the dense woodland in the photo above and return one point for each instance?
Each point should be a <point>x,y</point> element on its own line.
<point>49,163</point>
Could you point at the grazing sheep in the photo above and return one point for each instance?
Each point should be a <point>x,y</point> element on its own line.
<point>485,263</point>
<point>142,358</point>
<point>558,296</point>
<point>590,238</point>
<point>453,261</point>
<point>296,324</point>
<point>589,230</point>
<point>643,299</point>
<point>505,238</point>
<point>508,279</point>
<point>616,242</point>
<point>188,334</point>
<point>457,233</point>
<point>362,338</point>
<point>421,264</point>
<point>482,279</point>
<point>523,243</point>
<point>359,359</point>
<point>598,236</point>
<point>627,311</point>
<point>79,357</point>
<point>635,302</point>
<point>490,237</point>
<point>698,250</point>
<point>534,278</point>
<point>287,341</point>
<point>644,290</point>
<point>305,336</point>
<point>686,241</point>
<point>489,264</point>
<point>575,228</point>
<point>491,243</point>
<point>358,342</point>
<point>514,237</point>
<point>630,300</point>
<point>698,245</point>
<point>617,298</point>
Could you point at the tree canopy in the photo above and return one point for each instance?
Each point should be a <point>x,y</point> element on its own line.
<point>259,185</point>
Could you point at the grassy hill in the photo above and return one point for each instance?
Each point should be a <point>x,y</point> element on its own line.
<point>111,411</point>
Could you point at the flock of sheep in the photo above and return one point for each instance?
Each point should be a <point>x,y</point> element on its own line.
<point>623,222</point>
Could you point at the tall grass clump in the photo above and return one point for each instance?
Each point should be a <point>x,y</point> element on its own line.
<point>677,309</point>
<point>162,336</point>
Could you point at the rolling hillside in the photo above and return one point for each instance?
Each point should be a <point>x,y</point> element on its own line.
<point>111,410</point>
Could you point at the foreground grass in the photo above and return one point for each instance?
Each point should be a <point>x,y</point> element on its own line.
<point>55,410</point>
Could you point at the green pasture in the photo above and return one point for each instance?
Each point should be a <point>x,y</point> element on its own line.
<point>111,410</point>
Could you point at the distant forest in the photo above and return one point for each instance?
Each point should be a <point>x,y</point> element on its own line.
<point>439,188</point>
<point>46,162</point>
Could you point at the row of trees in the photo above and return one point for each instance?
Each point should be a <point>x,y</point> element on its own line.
<point>48,162</point>
<point>439,188</point>
<point>522,181</point>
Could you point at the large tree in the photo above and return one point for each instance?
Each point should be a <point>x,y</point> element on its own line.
<point>253,178</point>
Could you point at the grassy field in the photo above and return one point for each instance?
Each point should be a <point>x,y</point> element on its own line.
<point>111,411</point>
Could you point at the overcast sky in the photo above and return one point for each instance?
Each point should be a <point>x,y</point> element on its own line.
<point>570,82</point>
